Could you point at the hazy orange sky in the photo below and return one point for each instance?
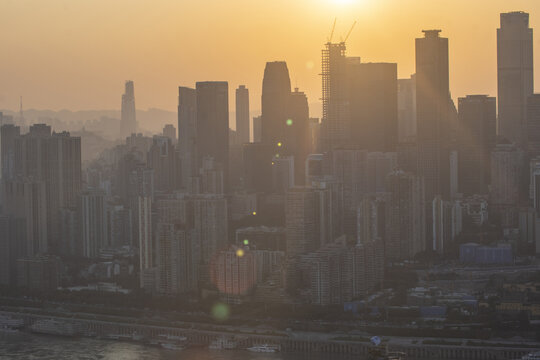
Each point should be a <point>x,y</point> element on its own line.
<point>76,54</point>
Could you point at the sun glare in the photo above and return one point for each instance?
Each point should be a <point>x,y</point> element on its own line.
<point>342,2</point>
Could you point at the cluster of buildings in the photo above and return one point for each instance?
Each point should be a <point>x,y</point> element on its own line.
<point>300,209</point>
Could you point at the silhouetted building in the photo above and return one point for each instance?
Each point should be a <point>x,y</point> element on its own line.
<point>476,137</point>
<point>275,97</point>
<point>176,259</point>
<point>93,223</point>
<point>350,167</point>
<point>432,111</point>
<point>257,167</point>
<point>296,140</point>
<point>335,126</point>
<point>257,129</point>
<point>170,131</point>
<point>128,121</point>
<point>27,199</point>
<point>506,182</point>
<point>12,247</point>
<point>405,217</point>
<point>533,125</point>
<point>213,124</point>
<point>163,159</point>
<point>373,101</point>
<point>7,142</point>
<point>406,108</point>
<point>242,115</point>
<point>187,133</point>
<point>514,75</point>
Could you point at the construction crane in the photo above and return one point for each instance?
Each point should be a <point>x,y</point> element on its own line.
<point>350,31</point>
<point>332,32</point>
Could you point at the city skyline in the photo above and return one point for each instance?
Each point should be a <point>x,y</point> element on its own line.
<point>161,59</point>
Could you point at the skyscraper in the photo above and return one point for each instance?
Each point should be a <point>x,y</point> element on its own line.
<point>93,223</point>
<point>405,217</point>
<point>433,112</point>
<point>533,125</point>
<point>213,124</point>
<point>297,138</point>
<point>162,158</point>
<point>406,108</point>
<point>276,91</point>
<point>335,124</point>
<point>476,137</point>
<point>170,131</point>
<point>55,160</point>
<point>242,114</point>
<point>128,121</point>
<point>7,142</point>
<point>373,104</point>
<point>187,133</point>
<point>514,75</point>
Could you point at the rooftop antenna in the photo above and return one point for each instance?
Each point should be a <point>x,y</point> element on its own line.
<point>332,32</point>
<point>350,31</point>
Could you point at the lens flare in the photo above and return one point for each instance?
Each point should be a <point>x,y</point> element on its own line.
<point>220,312</point>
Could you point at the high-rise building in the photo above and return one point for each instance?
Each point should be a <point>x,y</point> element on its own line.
<point>257,167</point>
<point>55,160</point>
<point>163,159</point>
<point>327,275</point>
<point>128,121</point>
<point>8,135</point>
<point>335,126</point>
<point>476,137</point>
<point>405,216</point>
<point>447,223</point>
<point>379,165</point>
<point>176,259</point>
<point>233,272</point>
<point>433,112</point>
<point>242,115</point>
<point>257,129</point>
<point>213,124</point>
<point>12,247</point>
<point>406,108</point>
<point>533,125</point>
<point>373,101</point>
<point>275,97</point>
<point>515,80</point>
<point>170,131</point>
<point>296,141</point>
<point>187,133</point>
<point>301,221</point>
<point>283,175</point>
<point>27,199</point>
<point>93,223</point>
<point>505,174</point>
<point>350,168</point>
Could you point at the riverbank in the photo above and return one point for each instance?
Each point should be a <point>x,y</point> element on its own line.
<point>134,330</point>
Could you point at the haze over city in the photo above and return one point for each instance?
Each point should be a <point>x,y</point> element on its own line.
<point>324,179</point>
<point>75,55</point>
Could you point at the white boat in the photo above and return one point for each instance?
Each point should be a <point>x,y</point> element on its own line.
<point>265,348</point>
<point>532,356</point>
<point>222,343</point>
<point>53,327</point>
<point>171,346</point>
